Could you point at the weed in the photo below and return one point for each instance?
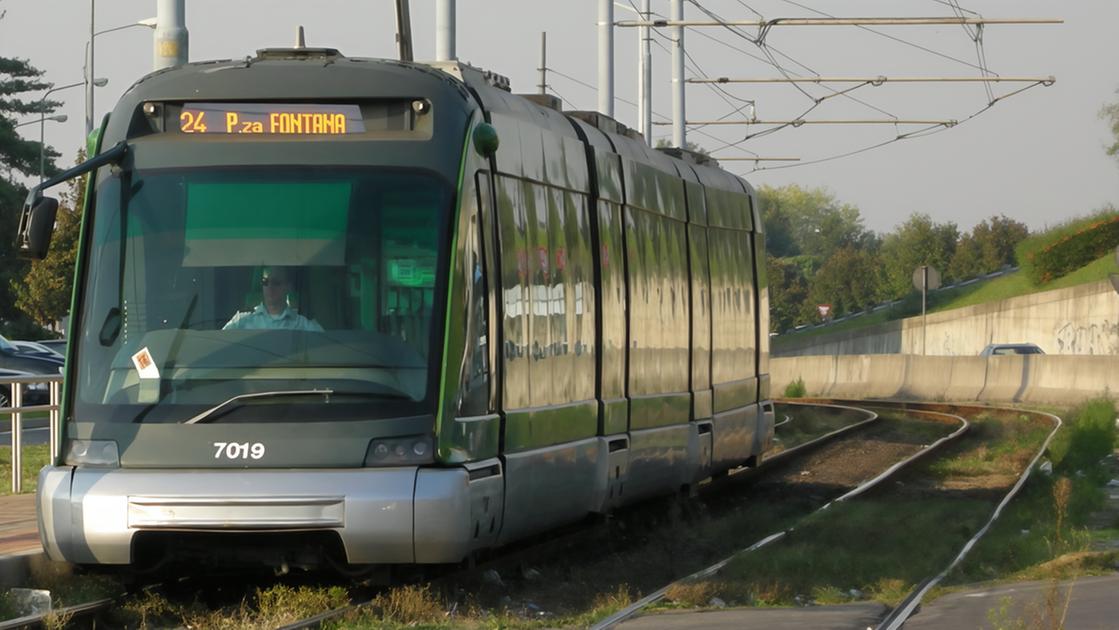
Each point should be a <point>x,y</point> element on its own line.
<point>1062,490</point>
<point>145,610</point>
<point>614,600</point>
<point>57,620</point>
<point>888,590</point>
<point>694,594</point>
<point>8,608</point>
<point>34,457</point>
<point>409,604</point>
<point>282,602</point>
<point>1002,619</point>
<point>830,595</point>
<point>1053,611</point>
<point>1088,436</point>
<point>796,389</point>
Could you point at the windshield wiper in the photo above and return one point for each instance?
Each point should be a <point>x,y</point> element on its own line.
<point>218,410</point>
<point>214,412</point>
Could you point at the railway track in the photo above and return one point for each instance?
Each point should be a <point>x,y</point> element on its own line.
<point>911,604</point>
<point>856,419</point>
<point>800,454</point>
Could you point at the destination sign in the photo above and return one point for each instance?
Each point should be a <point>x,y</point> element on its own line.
<point>271,119</point>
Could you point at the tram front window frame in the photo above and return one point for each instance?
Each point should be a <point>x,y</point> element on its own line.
<point>174,254</point>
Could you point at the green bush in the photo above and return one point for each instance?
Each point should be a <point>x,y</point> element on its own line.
<point>796,389</point>
<point>1087,437</point>
<point>1056,252</point>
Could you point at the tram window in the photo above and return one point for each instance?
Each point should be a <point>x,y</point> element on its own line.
<point>185,252</point>
<point>476,377</point>
<point>515,288</point>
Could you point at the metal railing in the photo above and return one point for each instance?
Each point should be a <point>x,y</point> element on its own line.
<point>15,385</point>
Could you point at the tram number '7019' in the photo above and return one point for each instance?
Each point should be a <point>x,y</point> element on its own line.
<point>238,450</point>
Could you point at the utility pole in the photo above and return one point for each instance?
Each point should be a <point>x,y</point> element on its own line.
<point>445,30</point>
<point>645,76</point>
<point>89,76</point>
<point>172,41</point>
<point>924,310</point>
<point>404,30</point>
<point>679,137</point>
<point>543,63</point>
<point>606,57</point>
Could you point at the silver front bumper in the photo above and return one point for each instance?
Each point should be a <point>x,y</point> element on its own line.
<point>89,516</point>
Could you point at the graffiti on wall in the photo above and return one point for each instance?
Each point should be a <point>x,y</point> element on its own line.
<point>1082,338</point>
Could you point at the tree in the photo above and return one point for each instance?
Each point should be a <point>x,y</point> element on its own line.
<point>44,293</point>
<point>848,281</point>
<point>989,247</point>
<point>967,262</point>
<point>811,222</point>
<point>1110,113</point>
<point>17,78</point>
<point>997,238</point>
<point>788,293</point>
<point>663,143</point>
<point>918,241</point>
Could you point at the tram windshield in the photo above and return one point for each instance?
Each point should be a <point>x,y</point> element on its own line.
<point>290,294</point>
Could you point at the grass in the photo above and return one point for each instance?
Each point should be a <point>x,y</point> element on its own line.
<point>795,389</point>
<point>1017,283</point>
<point>1000,288</point>
<point>864,321</point>
<point>1006,448</point>
<point>35,456</point>
<point>1044,533</point>
<point>854,550</point>
<point>808,423</point>
<point>865,549</point>
<point>270,607</point>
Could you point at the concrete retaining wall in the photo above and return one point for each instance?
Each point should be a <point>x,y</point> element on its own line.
<point>1078,320</point>
<point>1030,378</point>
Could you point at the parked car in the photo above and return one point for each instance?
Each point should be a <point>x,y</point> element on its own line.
<point>35,348</point>
<point>12,358</point>
<point>1001,349</point>
<point>58,345</point>
<point>33,394</point>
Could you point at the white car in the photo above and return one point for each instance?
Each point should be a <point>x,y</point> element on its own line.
<point>1001,349</point>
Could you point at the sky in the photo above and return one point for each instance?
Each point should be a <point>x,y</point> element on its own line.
<point>1037,157</point>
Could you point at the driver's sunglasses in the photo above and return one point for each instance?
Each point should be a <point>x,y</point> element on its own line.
<point>273,282</point>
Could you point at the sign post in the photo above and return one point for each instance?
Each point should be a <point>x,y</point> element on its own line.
<point>925,278</point>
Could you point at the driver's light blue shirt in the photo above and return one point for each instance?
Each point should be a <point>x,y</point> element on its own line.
<point>260,319</point>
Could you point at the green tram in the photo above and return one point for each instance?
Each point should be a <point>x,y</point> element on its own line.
<point>362,311</point>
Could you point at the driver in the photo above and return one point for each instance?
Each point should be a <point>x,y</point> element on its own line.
<point>273,312</point>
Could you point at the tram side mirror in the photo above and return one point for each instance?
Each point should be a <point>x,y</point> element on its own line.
<point>36,226</point>
<point>485,140</point>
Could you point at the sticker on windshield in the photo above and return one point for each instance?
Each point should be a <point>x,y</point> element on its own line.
<point>145,364</point>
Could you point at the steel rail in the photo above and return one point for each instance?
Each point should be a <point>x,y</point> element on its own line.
<point>68,613</point>
<point>813,443</point>
<point>317,620</point>
<point>908,607</point>
<point>637,606</point>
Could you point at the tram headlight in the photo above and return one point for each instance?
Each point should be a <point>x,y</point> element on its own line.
<point>399,451</point>
<point>95,453</point>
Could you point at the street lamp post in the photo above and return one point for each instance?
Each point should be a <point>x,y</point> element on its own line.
<point>146,23</point>
<point>42,152</point>
<point>40,121</point>
<point>60,118</point>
